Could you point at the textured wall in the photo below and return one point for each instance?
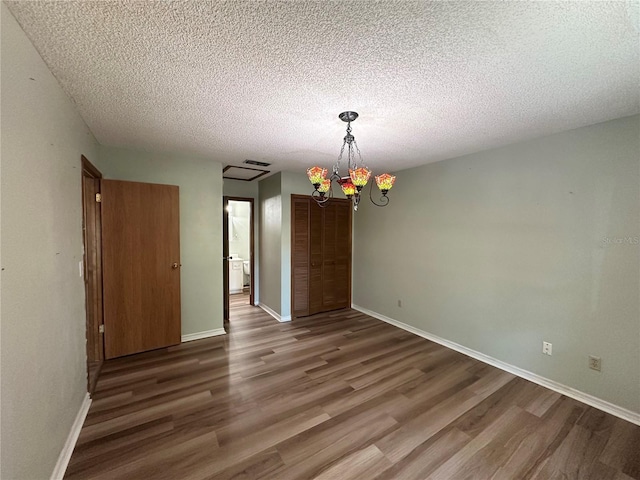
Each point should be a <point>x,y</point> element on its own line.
<point>502,249</point>
<point>200,182</point>
<point>43,357</point>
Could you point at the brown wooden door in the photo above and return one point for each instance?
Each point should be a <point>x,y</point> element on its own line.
<point>342,269</point>
<point>315,257</point>
<point>141,260</point>
<point>300,256</point>
<point>329,250</point>
<point>320,256</point>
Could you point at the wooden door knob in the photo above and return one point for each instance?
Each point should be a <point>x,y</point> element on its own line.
<point>174,265</point>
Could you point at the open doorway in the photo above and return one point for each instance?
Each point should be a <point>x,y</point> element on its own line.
<point>238,253</point>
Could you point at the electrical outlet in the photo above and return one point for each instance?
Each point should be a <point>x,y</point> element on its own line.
<point>400,303</point>
<point>547,348</point>
<point>595,363</point>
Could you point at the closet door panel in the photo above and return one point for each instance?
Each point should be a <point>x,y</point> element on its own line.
<point>329,250</point>
<point>342,279</point>
<point>320,256</point>
<point>300,253</point>
<point>315,257</point>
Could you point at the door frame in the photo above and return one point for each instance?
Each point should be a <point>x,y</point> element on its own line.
<point>92,273</point>
<point>225,250</point>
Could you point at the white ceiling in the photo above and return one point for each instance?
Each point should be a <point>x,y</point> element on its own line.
<point>266,80</point>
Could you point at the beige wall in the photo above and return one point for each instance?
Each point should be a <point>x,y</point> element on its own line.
<point>200,182</point>
<point>500,250</point>
<point>43,359</point>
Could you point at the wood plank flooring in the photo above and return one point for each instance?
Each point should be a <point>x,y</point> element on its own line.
<point>336,396</point>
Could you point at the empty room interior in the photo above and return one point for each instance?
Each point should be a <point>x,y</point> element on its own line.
<point>320,239</point>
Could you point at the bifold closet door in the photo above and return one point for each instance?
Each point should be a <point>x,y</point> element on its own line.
<point>321,255</point>
<point>300,256</point>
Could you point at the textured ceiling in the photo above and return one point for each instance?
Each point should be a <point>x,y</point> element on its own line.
<point>266,80</point>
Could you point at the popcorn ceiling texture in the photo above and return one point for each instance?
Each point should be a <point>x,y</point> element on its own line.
<point>266,80</point>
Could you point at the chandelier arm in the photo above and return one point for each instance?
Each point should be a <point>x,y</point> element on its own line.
<point>384,200</point>
<point>320,199</point>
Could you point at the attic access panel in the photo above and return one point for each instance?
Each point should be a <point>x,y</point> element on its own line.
<point>242,173</point>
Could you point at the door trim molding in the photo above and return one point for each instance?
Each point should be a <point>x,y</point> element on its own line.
<point>189,337</point>
<point>251,201</point>
<point>92,280</point>
<point>583,397</point>
<point>72,438</point>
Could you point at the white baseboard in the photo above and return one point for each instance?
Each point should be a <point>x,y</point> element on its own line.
<point>583,397</point>
<point>72,438</point>
<point>206,334</point>
<point>274,314</point>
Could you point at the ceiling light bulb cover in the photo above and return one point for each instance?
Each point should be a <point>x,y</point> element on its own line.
<point>349,189</point>
<point>325,185</point>
<point>316,175</point>
<point>359,174</point>
<point>385,182</point>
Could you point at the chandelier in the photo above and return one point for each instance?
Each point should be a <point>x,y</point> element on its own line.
<point>358,176</point>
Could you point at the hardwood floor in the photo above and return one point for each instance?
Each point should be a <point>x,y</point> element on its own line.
<point>336,396</point>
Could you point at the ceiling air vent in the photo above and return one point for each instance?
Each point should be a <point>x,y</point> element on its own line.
<point>242,173</point>
<point>255,162</point>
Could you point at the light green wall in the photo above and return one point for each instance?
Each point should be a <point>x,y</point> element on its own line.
<point>200,182</point>
<point>298,184</point>
<point>43,359</point>
<point>275,202</point>
<point>270,208</point>
<point>240,188</point>
<point>500,250</point>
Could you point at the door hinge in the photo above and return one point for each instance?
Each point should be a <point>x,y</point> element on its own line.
<point>98,197</point>
<point>101,328</point>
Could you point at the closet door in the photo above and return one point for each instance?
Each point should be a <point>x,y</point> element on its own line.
<point>315,257</point>
<point>320,255</point>
<point>329,250</point>
<point>300,256</point>
<point>342,272</point>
